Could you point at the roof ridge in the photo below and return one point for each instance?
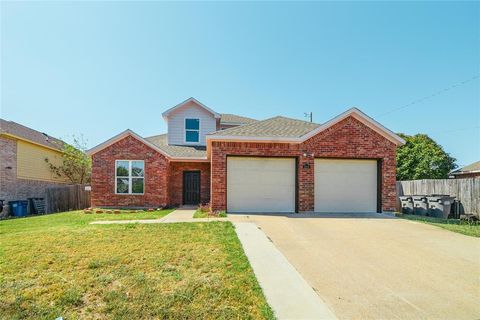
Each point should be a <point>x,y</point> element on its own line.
<point>233,114</point>
<point>300,120</point>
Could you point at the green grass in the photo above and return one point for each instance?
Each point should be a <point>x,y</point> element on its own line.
<point>463,227</point>
<point>200,214</point>
<point>60,265</point>
<point>204,214</point>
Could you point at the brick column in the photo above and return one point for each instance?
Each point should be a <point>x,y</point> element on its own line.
<point>306,185</point>
<point>218,182</point>
<point>389,183</point>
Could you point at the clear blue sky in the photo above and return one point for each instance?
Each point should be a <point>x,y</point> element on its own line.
<point>99,68</point>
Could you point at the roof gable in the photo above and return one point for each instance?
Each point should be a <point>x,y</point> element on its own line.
<point>363,118</point>
<point>157,143</point>
<point>121,136</point>
<point>186,103</point>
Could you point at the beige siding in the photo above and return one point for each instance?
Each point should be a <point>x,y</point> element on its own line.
<point>31,162</point>
<point>176,123</point>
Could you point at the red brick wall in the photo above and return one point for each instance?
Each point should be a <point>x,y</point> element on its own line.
<point>347,139</point>
<point>175,183</point>
<point>103,175</point>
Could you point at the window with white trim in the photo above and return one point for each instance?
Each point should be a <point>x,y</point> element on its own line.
<point>192,130</point>
<point>129,176</point>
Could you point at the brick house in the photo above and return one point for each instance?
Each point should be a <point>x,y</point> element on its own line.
<point>242,165</point>
<point>470,171</point>
<point>24,173</point>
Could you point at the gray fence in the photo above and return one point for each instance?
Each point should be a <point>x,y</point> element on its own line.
<point>467,191</point>
<point>66,198</point>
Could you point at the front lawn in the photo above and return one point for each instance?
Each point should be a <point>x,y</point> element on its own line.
<point>463,227</point>
<point>60,265</point>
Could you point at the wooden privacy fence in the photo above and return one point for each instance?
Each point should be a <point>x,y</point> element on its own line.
<point>467,191</point>
<point>66,198</point>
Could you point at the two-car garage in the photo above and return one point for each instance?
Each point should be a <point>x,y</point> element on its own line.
<point>269,184</point>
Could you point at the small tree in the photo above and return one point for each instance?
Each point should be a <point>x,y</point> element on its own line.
<point>422,158</point>
<point>76,165</point>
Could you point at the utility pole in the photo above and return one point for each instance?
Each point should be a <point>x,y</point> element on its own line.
<point>309,115</point>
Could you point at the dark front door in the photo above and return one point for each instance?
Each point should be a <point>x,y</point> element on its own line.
<point>191,187</point>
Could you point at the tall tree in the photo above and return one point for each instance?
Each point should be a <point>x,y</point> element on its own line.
<point>422,158</point>
<point>76,165</point>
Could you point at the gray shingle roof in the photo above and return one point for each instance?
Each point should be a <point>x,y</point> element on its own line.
<point>233,118</point>
<point>27,133</point>
<point>161,141</point>
<point>470,168</point>
<point>273,127</point>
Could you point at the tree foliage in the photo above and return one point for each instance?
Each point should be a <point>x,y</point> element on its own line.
<point>76,165</point>
<point>422,158</point>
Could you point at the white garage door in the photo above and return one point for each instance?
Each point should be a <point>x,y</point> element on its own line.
<point>345,185</point>
<point>260,184</point>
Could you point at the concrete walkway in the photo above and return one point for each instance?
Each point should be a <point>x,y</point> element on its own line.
<point>179,215</point>
<point>286,291</point>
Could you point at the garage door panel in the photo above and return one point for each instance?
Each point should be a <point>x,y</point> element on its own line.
<point>345,185</point>
<point>260,184</point>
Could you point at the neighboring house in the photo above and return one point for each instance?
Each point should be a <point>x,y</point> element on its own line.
<point>276,165</point>
<point>470,171</point>
<point>24,173</point>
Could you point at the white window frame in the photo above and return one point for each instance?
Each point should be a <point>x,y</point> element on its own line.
<point>185,131</point>
<point>130,178</point>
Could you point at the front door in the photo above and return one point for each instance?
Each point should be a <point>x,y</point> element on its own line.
<point>191,187</point>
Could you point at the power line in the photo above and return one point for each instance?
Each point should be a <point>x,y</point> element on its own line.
<point>439,92</point>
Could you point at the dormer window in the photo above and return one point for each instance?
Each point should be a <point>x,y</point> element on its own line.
<point>192,130</point>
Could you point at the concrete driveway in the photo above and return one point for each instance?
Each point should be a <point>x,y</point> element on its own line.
<point>374,267</point>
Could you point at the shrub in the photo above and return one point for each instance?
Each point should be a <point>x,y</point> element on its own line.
<point>205,207</point>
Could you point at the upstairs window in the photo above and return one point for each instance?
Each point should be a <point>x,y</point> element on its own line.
<point>129,176</point>
<point>192,130</point>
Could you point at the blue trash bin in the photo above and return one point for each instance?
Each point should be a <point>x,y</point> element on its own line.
<point>18,208</point>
